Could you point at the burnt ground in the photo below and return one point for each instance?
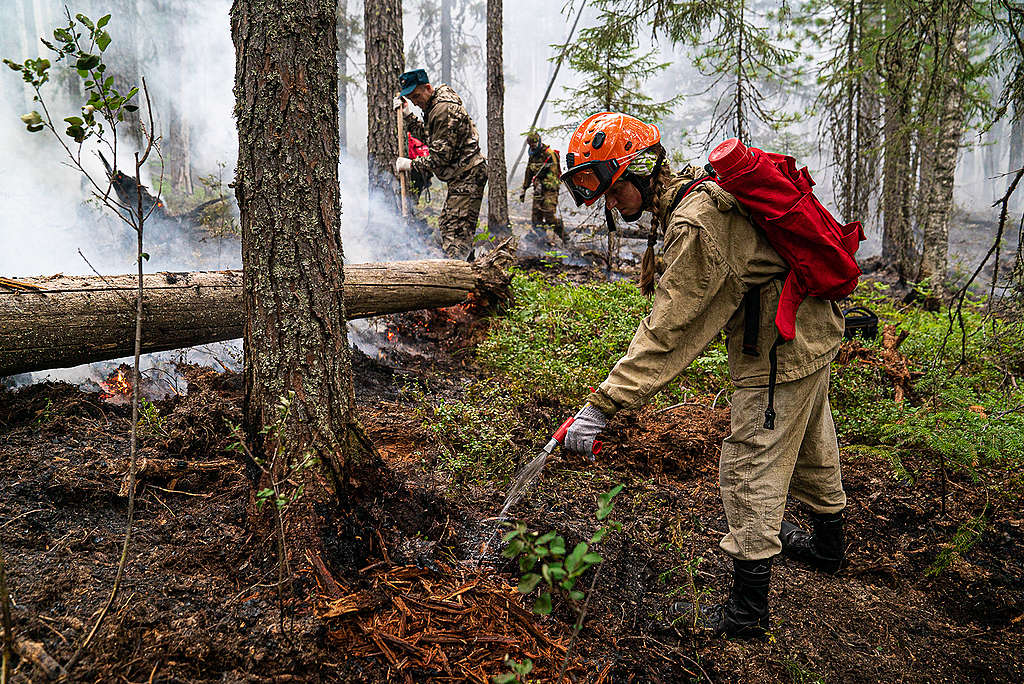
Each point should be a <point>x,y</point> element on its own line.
<point>199,603</point>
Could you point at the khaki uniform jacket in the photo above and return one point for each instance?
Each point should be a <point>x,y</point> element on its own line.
<point>713,255</point>
<point>449,133</point>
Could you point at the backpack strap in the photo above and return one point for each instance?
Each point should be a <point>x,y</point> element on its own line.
<point>773,371</point>
<point>751,324</point>
<point>751,320</point>
<point>683,191</point>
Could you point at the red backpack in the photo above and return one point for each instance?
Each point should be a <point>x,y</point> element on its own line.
<point>818,249</point>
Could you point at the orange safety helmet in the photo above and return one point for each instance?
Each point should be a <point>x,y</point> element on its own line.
<point>601,149</point>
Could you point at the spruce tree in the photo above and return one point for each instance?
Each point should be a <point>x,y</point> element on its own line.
<point>614,73</point>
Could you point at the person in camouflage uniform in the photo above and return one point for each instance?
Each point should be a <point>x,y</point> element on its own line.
<point>454,157</point>
<point>542,171</point>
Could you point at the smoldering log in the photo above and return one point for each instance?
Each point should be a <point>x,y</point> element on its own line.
<point>71,320</point>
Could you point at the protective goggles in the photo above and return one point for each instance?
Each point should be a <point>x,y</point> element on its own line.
<point>589,180</point>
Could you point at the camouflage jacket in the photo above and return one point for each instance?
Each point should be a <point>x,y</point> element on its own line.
<point>542,171</point>
<point>713,255</point>
<point>449,134</point>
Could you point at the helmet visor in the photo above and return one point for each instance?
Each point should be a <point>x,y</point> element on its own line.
<point>588,181</point>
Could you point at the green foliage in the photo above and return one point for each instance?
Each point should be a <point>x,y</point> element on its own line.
<point>82,52</point>
<point>518,671</point>
<point>561,339</point>
<point>475,432</point>
<point>799,674</point>
<point>557,569</point>
<point>282,490</point>
<point>151,423</point>
<point>966,414</point>
<point>746,63</point>
<point>550,346</point>
<point>613,72</point>
<point>967,535</point>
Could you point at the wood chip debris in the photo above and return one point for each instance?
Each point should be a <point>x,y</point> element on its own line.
<point>449,626</point>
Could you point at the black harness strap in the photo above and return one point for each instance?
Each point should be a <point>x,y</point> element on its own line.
<point>683,191</point>
<point>751,325</point>
<point>751,320</point>
<point>773,371</point>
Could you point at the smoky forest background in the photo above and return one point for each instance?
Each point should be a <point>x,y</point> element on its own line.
<point>255,427</point>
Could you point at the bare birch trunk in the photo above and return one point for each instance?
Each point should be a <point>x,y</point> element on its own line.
<point>939,191</point>
<point>446,41</point>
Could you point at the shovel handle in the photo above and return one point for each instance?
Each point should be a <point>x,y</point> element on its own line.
<point>559,435</point>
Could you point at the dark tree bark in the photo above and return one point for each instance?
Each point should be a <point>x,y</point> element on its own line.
<point>446,41</point>
<point>295,343</point>
<point>497,198</point>
<point>382,27</point>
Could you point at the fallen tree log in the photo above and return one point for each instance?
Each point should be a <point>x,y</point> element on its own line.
<point>61,321</point>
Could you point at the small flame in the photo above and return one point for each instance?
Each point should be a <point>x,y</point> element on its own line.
<point>117,384</point>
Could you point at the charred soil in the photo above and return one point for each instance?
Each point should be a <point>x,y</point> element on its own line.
<point>404,599</point>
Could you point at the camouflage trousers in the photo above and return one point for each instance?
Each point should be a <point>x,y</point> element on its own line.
<point>760,467</point>
<point>457,223</point>
<point>545,212</point>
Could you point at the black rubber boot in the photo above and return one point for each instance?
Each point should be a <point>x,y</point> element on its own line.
<point>744,614</point>
<point>823,549</point>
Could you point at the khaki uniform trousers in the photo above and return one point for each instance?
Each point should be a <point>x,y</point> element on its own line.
<point>457,223</point>
<point>759,467</point>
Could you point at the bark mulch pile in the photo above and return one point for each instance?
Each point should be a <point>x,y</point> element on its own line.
<point>455,625</point>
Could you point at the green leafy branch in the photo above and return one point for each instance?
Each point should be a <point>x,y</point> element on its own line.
<point>80,45</point>
<point>557,569</point>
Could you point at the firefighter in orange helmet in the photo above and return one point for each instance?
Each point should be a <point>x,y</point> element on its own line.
<point>721,274</point>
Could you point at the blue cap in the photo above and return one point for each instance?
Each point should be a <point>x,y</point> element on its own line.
<point>410,79</point>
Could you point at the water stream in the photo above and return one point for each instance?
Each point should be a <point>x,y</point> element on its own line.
<point>526,476</point>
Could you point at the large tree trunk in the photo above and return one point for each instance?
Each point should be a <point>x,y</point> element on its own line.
<point>939,190</point>
<point>82,319</point>
<point>382,27</point>
<point>897,172</point>
<point>298,366</point>
<point>497,198</point>
<point>446,41</point>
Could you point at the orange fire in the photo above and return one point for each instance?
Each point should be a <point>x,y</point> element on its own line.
<point>118,384</point>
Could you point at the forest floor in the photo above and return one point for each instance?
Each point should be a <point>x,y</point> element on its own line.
<point>934,589</point>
